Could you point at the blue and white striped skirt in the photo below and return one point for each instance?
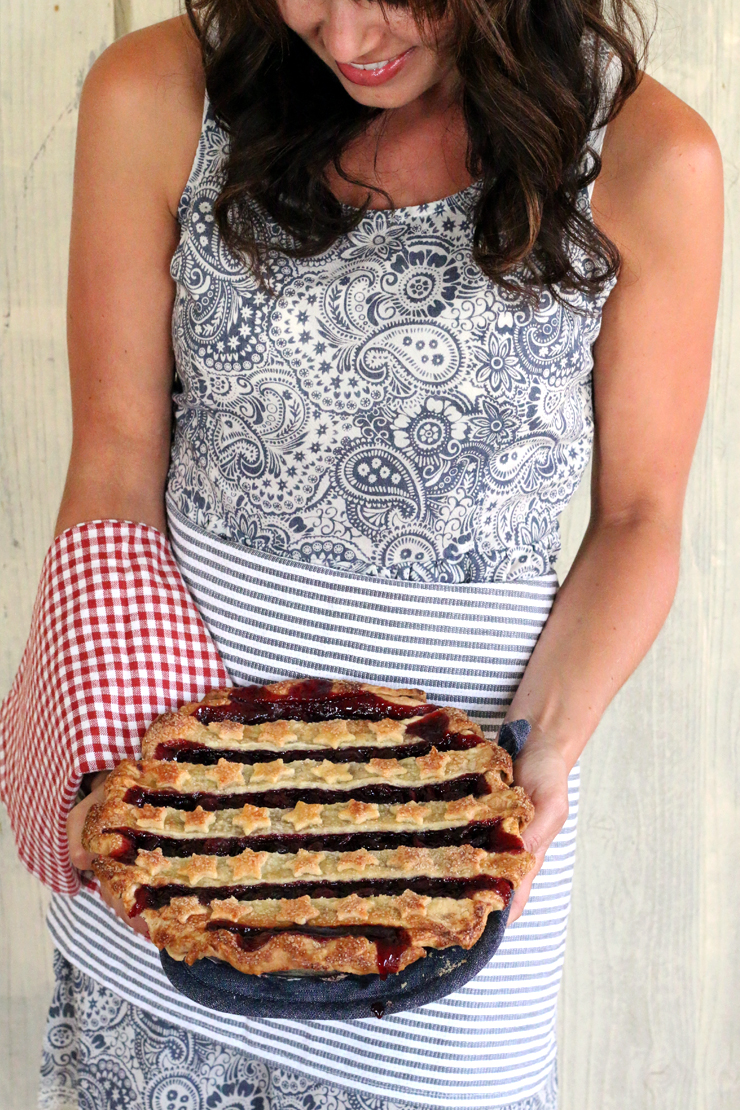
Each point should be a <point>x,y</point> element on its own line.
<point>490,1044</point>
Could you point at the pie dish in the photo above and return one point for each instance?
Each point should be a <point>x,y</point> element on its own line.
<point>312,827</point>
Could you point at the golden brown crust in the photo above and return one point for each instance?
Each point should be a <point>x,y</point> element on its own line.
<point>281,736</point>
<point>285,941</point>
<point>181,928</point>
<point>353,955</point>
<point>152,869</point>
<point>338,688</point>
<point>226,777</point>
<point>340,817</point>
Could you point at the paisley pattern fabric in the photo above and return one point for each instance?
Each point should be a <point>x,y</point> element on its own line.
<point>389,411</point>
<point>102,1053</point>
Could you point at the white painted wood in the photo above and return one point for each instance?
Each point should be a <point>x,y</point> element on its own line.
<point>45,52</point>
<point>26,978</point>
<point>133,14</point>
<point>649,1013</point>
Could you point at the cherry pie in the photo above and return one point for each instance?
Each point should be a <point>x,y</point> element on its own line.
<point>312,827</point>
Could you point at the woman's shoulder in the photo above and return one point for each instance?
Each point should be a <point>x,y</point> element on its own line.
<point>147,90</point>
<point>660,163</point>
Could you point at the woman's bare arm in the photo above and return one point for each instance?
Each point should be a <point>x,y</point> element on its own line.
<point>660,199</point>
<point>140,117</point>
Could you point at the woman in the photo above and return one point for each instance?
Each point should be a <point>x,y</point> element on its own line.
<point>395,297</point>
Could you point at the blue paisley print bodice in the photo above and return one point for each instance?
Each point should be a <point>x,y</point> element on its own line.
<point>389,410</point>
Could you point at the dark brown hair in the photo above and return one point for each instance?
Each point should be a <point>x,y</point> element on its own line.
<point>532,76</point>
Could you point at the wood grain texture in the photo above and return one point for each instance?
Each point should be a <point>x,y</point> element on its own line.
<point>130,15</point>
<point>26,977</point>
<point>649,1011</point>
<point>649,1017</point>
<point>44,56</point>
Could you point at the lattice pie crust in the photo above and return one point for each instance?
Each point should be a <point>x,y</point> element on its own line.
<point>312,826</point>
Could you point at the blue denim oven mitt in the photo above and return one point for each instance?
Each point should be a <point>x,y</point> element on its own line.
<point>513,735</point>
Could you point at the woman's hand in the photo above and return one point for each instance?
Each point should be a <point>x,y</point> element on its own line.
<point>82,859</point>
<point>541,771</point>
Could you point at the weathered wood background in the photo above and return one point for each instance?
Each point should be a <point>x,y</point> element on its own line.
<point>650,1010</point>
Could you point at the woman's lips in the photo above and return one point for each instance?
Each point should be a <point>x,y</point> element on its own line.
<point>359,76</point>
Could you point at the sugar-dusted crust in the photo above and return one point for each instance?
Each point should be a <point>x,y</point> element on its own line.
<point>225,778</point>
<point>190,941</point>
<point>432,922</point>
<point>285,736</point>
<point>250,868</point>
<point>310,891</point>
<point>180,927</point>
<point>295,687</point>
<point>328,819</point>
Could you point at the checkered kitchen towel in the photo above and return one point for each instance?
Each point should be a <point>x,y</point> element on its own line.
<point>115,640</point>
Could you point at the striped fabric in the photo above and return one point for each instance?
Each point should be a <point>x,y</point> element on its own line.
<point>491,1043</point>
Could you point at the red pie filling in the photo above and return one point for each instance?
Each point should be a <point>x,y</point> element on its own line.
<point>480,834</point>
<point>390,943</point>
<point>189,751</point>
<point>314,700</point>
<point>286,798</point>
<point>311,700</point>
<point>155,897</point>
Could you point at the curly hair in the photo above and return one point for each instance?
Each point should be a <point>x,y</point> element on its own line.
<point>531,90</point>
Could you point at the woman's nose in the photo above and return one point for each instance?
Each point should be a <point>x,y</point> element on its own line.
<point>351,29</point>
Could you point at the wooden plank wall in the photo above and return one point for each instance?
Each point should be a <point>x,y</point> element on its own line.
<point>649,1012</point>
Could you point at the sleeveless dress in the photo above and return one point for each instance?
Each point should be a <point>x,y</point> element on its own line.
<point>366,475</point>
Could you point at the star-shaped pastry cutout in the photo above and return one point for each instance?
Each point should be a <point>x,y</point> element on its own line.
<point>227,909</point>
<point>308,863</point>
<point>200,867</point>
<point>199,819</point>
<point>356,861</point>
<point>185,908</point>
<point>417,861</point>
<point>359,812</point>
<point>411,905</point>
<point>271,772</point>
<point>333,733</point>
<point>387,768</point>
<point>464,808</point>
<point>152,862</point>
<point>332,772</point>
<point>166,773</point>
<point>151,817</point>
<point>433,764</point>
<point>248,865</point>
<point>226,774</point>
<point>277,732</point>
<point>467,860</point>
<point>388,730</point>
<point>227,730</point>
<point>353,909</point>
<point>250,818</point>
<point>298,910</point>
<point>411,812</point>
<point>303,815</point>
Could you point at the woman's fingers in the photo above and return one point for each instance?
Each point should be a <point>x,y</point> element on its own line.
<point>81,859</point>
<point>138,924</point>
<point>521,895</point>
<point>544,775</point>
<point>550,814</point>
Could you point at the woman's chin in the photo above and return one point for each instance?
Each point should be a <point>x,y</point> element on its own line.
<point>390,95</point>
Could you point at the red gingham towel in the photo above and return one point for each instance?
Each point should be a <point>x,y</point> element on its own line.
<point>115,640</point>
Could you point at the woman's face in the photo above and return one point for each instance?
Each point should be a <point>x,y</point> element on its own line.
<point>353,36</point>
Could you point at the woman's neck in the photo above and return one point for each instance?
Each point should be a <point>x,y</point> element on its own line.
<point>416,154</point>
